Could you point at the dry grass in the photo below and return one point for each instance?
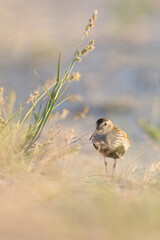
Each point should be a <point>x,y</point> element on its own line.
<point>55,191</point>
<point>64,194</point>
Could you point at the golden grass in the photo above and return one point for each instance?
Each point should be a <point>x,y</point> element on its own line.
<point>54,191</point>
<point>61,193</point>
<point>63,202</point>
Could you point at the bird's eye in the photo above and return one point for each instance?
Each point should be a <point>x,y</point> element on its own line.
<point>105,124</point>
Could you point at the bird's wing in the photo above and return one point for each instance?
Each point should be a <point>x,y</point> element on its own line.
<point>117,137</point>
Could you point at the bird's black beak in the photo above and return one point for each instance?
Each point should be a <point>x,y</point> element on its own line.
<point>93,134</point>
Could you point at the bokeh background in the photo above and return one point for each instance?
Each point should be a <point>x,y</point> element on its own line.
<point>119,80</point>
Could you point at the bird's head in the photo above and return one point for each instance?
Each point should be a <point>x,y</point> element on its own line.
<point>103,126</point>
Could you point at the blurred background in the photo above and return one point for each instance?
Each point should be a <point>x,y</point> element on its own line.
<point>72,199</point>
<point>119,79</point>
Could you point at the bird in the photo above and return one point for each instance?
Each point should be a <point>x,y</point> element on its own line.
<point>110,141</point>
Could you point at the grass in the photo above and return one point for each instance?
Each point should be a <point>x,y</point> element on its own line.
<point>125,12</point>
<point>63,206</point>
<point>50,192</point>
<point>49,100</point>
<point>151,128</point>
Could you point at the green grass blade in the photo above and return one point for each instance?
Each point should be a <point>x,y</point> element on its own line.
<point>34,112</point>
<point>35,72</point>
<point>58,68</point>
<point>39,110</point>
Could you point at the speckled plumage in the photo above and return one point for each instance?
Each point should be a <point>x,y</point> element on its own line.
<point>109,140</point>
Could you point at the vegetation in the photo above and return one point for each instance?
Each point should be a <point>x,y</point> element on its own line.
<point>48,196</point>
<point>35,117</point>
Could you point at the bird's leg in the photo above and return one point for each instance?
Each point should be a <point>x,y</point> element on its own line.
<point>105,162</point>
<point>98,149</point>
<point>120,157</point>
<point>114,166</point>
<point>122,166</point>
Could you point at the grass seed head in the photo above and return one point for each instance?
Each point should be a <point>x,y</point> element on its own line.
<point>88,48</point>
<point>91,25</point>
<point>2,121</point>
<point>74,77</point>
<point>91,22</point>
<point>85,51</point>
<point>88,28</point>
<point>95,15</point>
<point>2,101</point>
<point>92,42</point>
<point>92,47</point>
<point>1,91</point>
<point>75,97</point>
<point>29,99</point>
<point>36,93</point>
<point>78,59</point>
<point>32,96</point>
<point>82,114</point>
<point>79,53</point>
<point>64,113</point>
